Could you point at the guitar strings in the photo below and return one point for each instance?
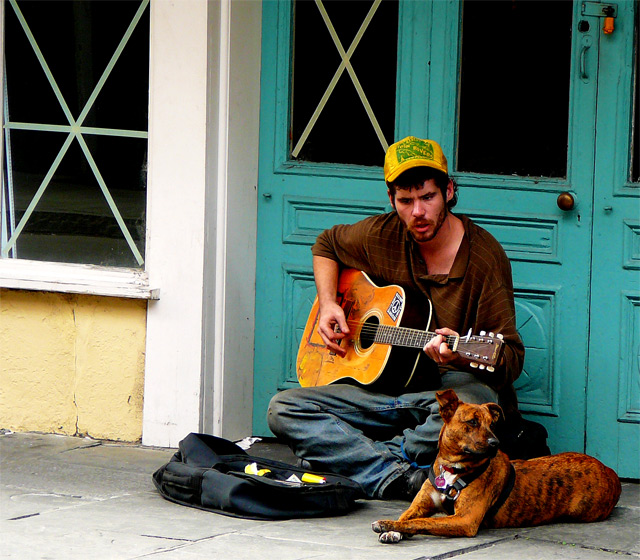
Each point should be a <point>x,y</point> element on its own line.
<point>403,336</point>
<point>372,330</point>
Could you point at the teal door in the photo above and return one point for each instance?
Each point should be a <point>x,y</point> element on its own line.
<point>613,382</point>
<point>534,110</point>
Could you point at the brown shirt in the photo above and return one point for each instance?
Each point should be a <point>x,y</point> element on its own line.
<point>477,293</point>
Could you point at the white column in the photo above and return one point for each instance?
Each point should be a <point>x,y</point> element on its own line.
<point>176,218</point>
<point>201,224</point>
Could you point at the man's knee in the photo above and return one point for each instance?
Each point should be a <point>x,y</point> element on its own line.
<point>277,408</point>
<point>281,407</point>
<point>477,393</point>
<point>468,388</point>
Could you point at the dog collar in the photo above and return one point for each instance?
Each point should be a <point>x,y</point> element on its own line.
<point>450,484</point>
<point>451,490</point>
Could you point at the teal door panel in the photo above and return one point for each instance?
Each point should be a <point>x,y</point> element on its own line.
<point>582,389</point>
<point>613,387</point>
<point>297,200</point>
<point>549,248</point>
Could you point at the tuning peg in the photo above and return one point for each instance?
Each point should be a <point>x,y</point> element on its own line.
<point>491,335</point>
<point>482,333</point>
<point>473,365</point>
<point>481,366</point>
<point>491,369</point>
<point>499,336</point>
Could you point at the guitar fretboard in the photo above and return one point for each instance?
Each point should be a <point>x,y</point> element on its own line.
<point>410,338</point>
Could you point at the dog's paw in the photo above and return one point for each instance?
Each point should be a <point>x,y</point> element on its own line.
<point>390,537</point>
<point>379,526</point>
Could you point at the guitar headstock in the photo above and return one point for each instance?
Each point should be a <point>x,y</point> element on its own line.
<point>482,351</point>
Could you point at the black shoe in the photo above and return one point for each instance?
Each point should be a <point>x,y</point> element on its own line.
<point>406,486</point>
<point>303,464</point>
<point>415,480</point>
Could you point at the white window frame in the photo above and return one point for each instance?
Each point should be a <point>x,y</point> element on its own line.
<point>24,274</point>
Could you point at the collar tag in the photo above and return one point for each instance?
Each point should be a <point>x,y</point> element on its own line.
<point>449,477</point>
<point>445,479</point>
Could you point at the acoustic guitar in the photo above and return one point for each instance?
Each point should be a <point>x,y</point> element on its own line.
<point>374,315</point>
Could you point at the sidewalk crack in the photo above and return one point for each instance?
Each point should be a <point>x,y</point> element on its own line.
<point>467,549</point>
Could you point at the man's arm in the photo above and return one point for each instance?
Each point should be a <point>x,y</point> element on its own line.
<point>488,277</point>
<point>326,272</point>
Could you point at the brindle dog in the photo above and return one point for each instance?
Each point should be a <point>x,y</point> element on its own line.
<point>478,485</point>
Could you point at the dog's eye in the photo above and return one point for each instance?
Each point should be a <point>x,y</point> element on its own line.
<point>473,422</point>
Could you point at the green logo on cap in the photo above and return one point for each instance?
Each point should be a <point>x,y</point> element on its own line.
<point>414,148</point>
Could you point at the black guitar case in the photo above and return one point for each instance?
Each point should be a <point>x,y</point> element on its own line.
<point>214,474</point>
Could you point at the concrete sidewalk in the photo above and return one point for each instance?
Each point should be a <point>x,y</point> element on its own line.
<point>64,497</point>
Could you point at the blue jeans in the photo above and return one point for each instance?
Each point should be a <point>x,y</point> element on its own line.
<point>370,437</point>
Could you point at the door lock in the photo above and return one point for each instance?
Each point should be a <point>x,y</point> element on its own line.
<point>608,20</point>
<point>607,11</point>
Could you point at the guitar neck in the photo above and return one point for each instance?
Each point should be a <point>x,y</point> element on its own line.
<point>409,338</point>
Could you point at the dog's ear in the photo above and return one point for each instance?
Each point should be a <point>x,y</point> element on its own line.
<point>496,411</point>
<point>448,401</point>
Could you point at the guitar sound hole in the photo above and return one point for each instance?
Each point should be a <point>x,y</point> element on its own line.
<point>368,332</point>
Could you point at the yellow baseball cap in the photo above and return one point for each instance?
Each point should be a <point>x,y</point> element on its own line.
<point>413,152</point>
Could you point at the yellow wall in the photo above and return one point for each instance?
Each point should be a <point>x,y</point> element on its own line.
<point>72,364</point>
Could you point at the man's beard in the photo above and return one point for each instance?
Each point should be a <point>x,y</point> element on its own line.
<point>424,236</point>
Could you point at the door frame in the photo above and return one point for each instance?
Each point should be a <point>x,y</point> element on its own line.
<point>202,177</point>
<point>438,24</point>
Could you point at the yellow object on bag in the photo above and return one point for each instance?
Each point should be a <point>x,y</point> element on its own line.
<point>252,468</point>
<point>313,478</point>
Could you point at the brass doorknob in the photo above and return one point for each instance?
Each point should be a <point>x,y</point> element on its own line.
<point>566,201</point>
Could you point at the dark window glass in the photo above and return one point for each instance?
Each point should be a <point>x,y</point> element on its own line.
<point>514,92</point>
<point>72,222</point>
<point>343,132</point>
